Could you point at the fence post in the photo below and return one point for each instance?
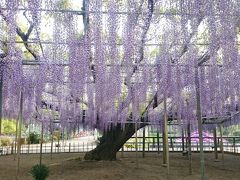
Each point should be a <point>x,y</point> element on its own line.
<point>215,143</point>
<point>12,148</point>
<point>171,140</point>
<point>234,145</point>
<point>158,144</point>
<point>58,143</point>
<point>28,147</point>
<point>183,140</point>
<point>69,147</point>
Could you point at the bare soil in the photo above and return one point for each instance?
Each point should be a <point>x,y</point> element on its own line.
<point>72,167</point>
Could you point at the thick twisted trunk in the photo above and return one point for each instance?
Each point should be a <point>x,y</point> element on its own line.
<point>111,142</point>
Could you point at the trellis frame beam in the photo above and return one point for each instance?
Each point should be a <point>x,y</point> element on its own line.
<point>82,12</point>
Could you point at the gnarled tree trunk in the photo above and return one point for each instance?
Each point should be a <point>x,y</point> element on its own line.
<point>111,142</point>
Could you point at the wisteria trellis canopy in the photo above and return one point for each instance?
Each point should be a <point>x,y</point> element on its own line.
<point>95,62</point>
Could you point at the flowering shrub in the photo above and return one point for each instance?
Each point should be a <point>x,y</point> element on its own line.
<point>5,141</point>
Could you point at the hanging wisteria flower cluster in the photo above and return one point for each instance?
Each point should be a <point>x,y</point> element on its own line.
<point>117,61</point>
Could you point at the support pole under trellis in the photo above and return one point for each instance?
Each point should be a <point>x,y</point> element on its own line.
<point>189,148</point>
<point>164,148</point>
<point>52,130</point>
<point>199,118</point>
<point>19,135</point>
<point>144,140</point>
<point>165,138</point>
<point>136,145</point>
<point>221,145</point>
<point>41,144</point>
<point>16,139</point>
<point>51,143</point>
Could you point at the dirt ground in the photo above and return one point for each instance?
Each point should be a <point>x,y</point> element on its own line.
<point>73,167</point>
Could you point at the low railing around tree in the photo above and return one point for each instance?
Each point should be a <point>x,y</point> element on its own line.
<point>152,144</point>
